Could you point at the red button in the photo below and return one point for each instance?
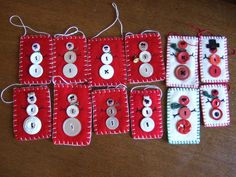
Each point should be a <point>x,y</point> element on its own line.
<point>215,103</point>
<point>184,113</point>
<point>213,50</point>
<point>182,72</point>
<point>214,59</point>
<point>214,92</point>
<point>184,100</point>
<point>214,71</point>
<point>183,126</point>
<point>216,114</point>
<point>182,57</point>
<point>182,44</point>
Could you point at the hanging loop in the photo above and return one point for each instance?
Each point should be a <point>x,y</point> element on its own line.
<point>150,31</point>
<point>70,31</point>
<point>147,87</point>
<point>5,89</point>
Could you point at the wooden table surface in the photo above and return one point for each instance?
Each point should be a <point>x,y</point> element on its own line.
<point>116,155</point>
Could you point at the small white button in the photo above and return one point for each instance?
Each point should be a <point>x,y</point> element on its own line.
<point>145,56</point>
<point>112,123</point>
<point>70,57</point>
<point>147,124</point>
<point>70,70</point>
<point>72,127</point>
<point>147,112</point>
<point>36,71</point>
<point>106,48</point>
<point>32,125</point>
<point>146,70</point>
<point>110,102</point>
<point>31,98</point>
<point>69,46</point>
<point>143,45</point>
<point>72,98</point>
<point>147,101</point>
<point>72,111</point>
<point>35,47</point>
<point>32,109</point>
<point>36,58</point>
<point>111,111</point>
<point>106,71</point>
<point>106,58</point>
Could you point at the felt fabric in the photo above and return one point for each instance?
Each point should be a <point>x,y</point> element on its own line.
<point>61,92</point>
<point>100,97</point>
<point>80,48</point>
<point>136,106</point>
<point>46,49</point>
<point>132,51</point>
<point>207,106</point>
<point>94,58</point>
<point>174,136</point>
<point>20,104</point>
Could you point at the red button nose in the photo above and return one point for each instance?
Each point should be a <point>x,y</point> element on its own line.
<point>214,71</point>
<point>182,57</point>
<point>215,92</point>
<point>184,100</point>
<point>183,126</point>
<point>182,44</point>
<point>182,72</point>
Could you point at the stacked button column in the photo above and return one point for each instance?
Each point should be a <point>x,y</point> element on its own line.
<point>36,58</point>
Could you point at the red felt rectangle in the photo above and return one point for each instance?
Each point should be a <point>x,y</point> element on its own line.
<point>80,48</point>
<point>61,92</point>
<point>132,51</point>
<point>94,58</point>
<point>46,49</point>
<point>100,97</point>
<point>20,104</point>
<point>136,106</point>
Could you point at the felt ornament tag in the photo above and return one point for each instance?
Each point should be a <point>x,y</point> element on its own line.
<point>144,58</point>
<point>72,118</point>
<point>183,116</point>
<point>32,113</point>
<point>213,57</point>
<point>146,114</point>
<point>110,111</point>
<point>215,105</point>
<point>182,61</point>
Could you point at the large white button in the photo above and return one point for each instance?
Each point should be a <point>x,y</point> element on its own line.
<point>32,125</point>
<point>36,70</point>
<point>106,71</point>
<point>72,127</point>
<point>147,124</point>
<point>143,45</point>
<point>70,57</point>
<point>70,70</point>
<point>147,101</point>
<point>110,102</point>
<point>69,46</point>
<point>32,109</point>
<point>106,48</point>
<point>146,70</point>
<point>72,111</point>
<point>36,58</point>
<point>145,56</point>
<point>112,123</point>
<point>31,98</point>
<point>106,58</point>
<point>35,47</point>
<point>111,111</point>
<point>72,98</point>
<point>147,112</point>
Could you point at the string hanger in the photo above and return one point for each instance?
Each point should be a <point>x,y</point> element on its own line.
<point>147,87</point>
<point>115,21</point>
<point>70,31</point>
<point>22,25</point>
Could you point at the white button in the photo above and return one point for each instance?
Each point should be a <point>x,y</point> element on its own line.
<point>146,70</point>
<point>147,124</point>
<point>32,109</point>
<point>143,45</point>
<point>70,70</point>
<point>36,58</point>
<point>107,58</point>
<point>70,57</point>
<point>111,111</point>
<point>36,70</point>
<point>145,56</point>
<point>72,127</point>
<point>147,101</point>
<point>72,98</point>
<point>106,48</point>
<point>112,123</point>
<point>72,111</point>
<point>35,47</point>
<point>106,71</point>
<point>32,125</point>
<point>110,102</point>
<point>147,112</point>
<point>69,46</point>
<point>31,98</point>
